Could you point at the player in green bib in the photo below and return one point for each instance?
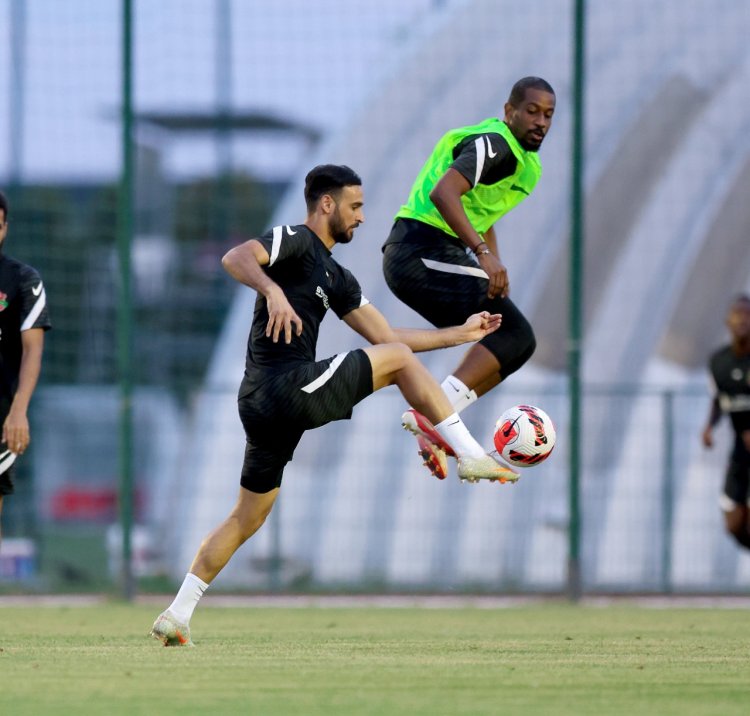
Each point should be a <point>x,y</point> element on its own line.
<point>441,257</point>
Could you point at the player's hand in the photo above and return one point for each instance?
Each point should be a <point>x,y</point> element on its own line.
<point>281,317</point>
<point>16,432</point>
<point>497,274</point>
<point>479,325</point>
<point>708,437</point>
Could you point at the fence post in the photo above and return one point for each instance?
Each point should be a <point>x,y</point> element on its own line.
<point>575,330</point>
<point>667,496</point>
<point>125,302</point>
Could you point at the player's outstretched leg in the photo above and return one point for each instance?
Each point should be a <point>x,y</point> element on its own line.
<point>470,468</point>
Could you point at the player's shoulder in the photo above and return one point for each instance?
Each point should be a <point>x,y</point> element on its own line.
<point>283,231</point>
<point>721,358</point>
<point>10,266</point>
<point>480,135</point>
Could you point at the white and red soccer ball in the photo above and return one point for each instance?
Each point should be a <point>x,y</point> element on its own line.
<point>524,436</point>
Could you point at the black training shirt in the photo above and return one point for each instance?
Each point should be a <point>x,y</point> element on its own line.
<point>23,305</point>
<point>312,282</point>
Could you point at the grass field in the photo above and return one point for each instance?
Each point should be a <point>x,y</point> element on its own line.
<point>541,659</point>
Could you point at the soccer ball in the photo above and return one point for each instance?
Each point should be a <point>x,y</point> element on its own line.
<point>524,436</point>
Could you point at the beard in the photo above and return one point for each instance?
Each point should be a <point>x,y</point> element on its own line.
<point>529,146</point>
<point>340,233</point>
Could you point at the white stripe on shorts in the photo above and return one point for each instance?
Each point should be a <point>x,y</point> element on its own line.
<point>454,268</point>
<point>6,460</point>
<point>324,377</point>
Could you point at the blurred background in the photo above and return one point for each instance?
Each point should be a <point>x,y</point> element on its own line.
<point>233,101</point>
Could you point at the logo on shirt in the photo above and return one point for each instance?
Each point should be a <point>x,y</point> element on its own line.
<point>490,153</point>
<point>37,289</point>
<point>3,301</point>
<point>320,293</point>
<point>515,187</point>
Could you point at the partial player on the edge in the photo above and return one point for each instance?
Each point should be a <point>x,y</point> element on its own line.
<point>23,321</point>
<point>286,391</point>
<point>474,176</point>
<point>730,372</point>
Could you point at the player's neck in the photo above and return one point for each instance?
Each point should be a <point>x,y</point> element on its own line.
<point>319,226</point>
<point>741,346</point>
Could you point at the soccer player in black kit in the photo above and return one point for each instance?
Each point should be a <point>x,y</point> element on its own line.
<point>286,391</point>
<point>23,321</point>
<point>730,371</point>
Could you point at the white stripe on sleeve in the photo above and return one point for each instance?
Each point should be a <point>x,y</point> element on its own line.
<point>479,144</point>
<point>276,245</point>
<point>38,307</point>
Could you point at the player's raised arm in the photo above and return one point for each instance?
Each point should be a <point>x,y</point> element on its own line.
<point>446,196</point>
<point>373,326</point>
<point>244,263</point>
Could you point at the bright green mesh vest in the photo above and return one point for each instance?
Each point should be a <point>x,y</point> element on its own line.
<point>484,204</point>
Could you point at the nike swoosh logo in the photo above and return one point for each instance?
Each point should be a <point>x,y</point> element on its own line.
<point>289,231</point>
<point>490,153</point>
<point>37,290</point>
<point>515,187</point>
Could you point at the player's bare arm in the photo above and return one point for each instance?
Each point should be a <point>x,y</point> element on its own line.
<point>446,196</point>
<point>490,238</point>
<point>244,263</point>
<point>373,326</point>
<point>16,433</point>
<point>713,417</point>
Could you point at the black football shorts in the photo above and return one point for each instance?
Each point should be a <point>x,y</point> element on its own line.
<point>431,272</point>
<point>737,479</point>
<point>277,409</point>
<point>7,459</point>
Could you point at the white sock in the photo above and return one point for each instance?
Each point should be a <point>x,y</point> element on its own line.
<point>457,435</point>
<point>187,598</point>
<point>458,393</point>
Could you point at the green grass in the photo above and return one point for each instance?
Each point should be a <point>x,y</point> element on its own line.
<point>542,659</point>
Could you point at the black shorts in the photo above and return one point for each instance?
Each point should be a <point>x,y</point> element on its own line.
<point>432,273</point>
<point>277,409</point>
<point>7,471</point>
<point>737,479</point>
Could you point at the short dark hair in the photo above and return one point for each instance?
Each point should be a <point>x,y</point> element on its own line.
<point>4,207</point>
<point>740,298</point>
<point>328,179</point>
<point>518,93</point>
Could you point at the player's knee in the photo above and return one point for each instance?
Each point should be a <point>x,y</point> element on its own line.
<point>398,356</point>
<point>516,350</point>
<point>528,344</point>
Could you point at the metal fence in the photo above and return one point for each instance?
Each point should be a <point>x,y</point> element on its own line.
<point>649,501</point>
<point>230,102</point>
